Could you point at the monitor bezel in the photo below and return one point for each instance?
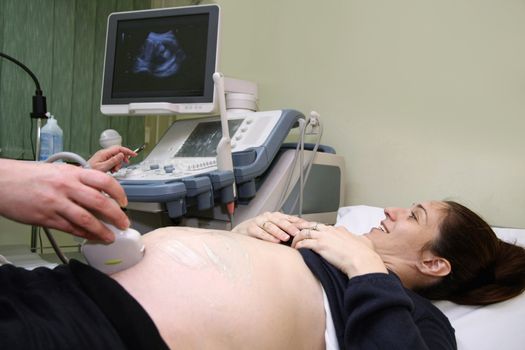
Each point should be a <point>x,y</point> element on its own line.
<point>168,105</point>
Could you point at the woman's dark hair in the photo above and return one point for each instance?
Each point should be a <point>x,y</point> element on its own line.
<point>485,269</point>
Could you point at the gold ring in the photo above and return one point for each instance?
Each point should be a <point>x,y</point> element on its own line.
<point>316,227</point>
<point>307,234</point>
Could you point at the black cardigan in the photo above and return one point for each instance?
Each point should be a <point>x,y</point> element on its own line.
<point>375,311</point>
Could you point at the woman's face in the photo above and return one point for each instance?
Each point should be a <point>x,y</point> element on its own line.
<point>404,232</point>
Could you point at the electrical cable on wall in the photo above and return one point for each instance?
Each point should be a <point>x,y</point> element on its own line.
<point>39,100</point>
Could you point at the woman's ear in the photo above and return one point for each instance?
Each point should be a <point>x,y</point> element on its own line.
<point>432,265</point>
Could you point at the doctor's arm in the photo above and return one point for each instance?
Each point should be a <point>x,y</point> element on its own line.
<point>61,196</point>
<point>111,159</point>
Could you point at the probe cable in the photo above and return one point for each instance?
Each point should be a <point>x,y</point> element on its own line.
<point>309,166</point>
<point>282,198</point>
<point>69,156</point>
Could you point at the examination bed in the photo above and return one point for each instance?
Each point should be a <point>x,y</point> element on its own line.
<point>496,326</point>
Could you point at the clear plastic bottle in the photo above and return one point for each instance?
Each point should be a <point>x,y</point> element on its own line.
<point>51,139</point>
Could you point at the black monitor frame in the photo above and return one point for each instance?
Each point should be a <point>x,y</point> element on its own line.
<point>115,102</point>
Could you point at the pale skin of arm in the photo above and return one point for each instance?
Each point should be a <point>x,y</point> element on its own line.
<point>63,197</point>
<point>353,255</point>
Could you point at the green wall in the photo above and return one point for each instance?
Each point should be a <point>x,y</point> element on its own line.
<point>62,42</point>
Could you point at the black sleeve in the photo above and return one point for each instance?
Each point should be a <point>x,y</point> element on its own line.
<point>380,315</point>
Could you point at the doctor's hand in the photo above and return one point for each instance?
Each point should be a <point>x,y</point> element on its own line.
<point>63,197</point>
<point>273,227</point>
<point>353,255</point>
<point>110,159</point>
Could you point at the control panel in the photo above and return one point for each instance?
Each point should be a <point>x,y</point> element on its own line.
<point>188,147</point>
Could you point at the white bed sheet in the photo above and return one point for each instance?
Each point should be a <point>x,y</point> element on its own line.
<point>498,326</point>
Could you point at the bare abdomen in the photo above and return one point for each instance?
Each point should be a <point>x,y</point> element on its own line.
<point>208,289</point>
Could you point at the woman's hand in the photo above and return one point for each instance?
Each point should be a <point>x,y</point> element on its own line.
<point>273,227</point>
<point>110,159</point>
<point>353,255</point>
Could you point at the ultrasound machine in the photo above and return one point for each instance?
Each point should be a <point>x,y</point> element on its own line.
<point>227,163</point>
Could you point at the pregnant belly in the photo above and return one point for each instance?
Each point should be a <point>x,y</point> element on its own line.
<point>207,289</point>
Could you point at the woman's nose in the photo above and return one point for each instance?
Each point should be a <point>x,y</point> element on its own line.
<point>393,213</point>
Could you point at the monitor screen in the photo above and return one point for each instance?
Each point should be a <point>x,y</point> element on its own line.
<point>161,59</point>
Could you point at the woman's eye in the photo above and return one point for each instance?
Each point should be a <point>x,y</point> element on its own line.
<point>412,216</point>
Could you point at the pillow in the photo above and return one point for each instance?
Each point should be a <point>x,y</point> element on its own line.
<point>359,219</point>
<point>496,326</point>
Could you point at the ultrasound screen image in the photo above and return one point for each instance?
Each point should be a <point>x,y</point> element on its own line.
<point>204,139</point>
<point>161,57</point>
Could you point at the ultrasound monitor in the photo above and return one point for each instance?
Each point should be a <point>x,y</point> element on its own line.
<point>161,61</point>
